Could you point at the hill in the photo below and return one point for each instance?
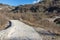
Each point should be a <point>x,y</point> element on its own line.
<point>41,14</point>
<point>45,14</point>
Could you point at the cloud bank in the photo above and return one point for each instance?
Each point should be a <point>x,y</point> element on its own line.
<point>36,1</point>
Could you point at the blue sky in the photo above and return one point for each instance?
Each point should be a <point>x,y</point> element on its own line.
<point>17,2</point>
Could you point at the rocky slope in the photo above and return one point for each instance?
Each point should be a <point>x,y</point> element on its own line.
<point>21,31</point>
<point>38,15</point>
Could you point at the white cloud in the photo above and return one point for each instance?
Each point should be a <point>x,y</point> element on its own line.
<point>36,1</point>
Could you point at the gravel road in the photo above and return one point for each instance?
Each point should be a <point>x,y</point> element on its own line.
<point>19,31</point>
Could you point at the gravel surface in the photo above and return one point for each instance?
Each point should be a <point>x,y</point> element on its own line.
<point>19,31</point>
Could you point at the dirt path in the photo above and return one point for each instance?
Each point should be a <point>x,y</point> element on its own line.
<point>19,31</point>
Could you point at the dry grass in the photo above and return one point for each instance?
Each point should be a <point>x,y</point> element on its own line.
<point>3,22</point>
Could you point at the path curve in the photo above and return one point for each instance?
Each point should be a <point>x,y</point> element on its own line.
<point>19,31</point>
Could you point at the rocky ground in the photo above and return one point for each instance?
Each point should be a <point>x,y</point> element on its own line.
<point>18,30</point>
<point>42,17</point>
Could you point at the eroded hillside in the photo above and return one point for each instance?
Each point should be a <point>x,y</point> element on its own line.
<point>39,14</point>
<point>36,15</point>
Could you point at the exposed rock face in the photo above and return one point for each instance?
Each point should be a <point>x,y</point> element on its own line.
<point>57,21</point>
<point>50,5</point>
